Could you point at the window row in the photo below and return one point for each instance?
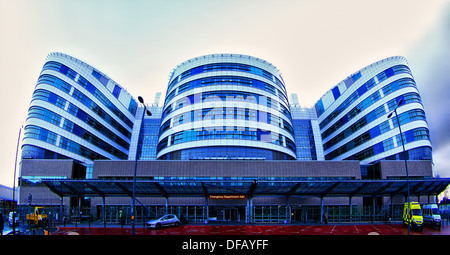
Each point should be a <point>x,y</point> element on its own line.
<point>393,71</point>
<point>78,95</point>
<point>93,139</point>
<point>101,78</point>
<point>396,85</point>
<point>64,143</point>
<point>221,96</point>
<point>388,144</point>
<point>368,118</point>
<point>34,152</point>
<point>41,94</point>
<point>92,89</point>
<point>420,153</point>
<point>242,133</point>
<point>55,119</point>
<point>225,153</point>
<point>384,127</point>
<point>226,80</point>
<point>222,113</point>
<point>355,95</point>
<point>227,67</point>
<point>342,107</point>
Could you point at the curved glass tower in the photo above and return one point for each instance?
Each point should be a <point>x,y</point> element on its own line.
<point>226,106</point>
<point>353,116</point>
<point>77,112</point>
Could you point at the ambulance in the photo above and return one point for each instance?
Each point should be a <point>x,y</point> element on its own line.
<point>412,213</point>
<point>431,216</point>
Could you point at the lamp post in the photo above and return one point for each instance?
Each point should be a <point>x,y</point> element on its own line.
<point>14,183</point>
<point>404,152</point>
<point>135,166</point>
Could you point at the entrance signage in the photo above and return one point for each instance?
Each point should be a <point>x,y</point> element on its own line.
<point>226,196</point>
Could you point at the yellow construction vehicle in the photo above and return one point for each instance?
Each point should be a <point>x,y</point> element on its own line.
<point>39,217</point>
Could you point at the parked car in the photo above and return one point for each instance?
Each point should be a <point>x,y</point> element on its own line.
<point>10,218</point>
<point>164,221</point>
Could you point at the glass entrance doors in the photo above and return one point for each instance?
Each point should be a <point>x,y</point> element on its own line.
<point>227,214</point>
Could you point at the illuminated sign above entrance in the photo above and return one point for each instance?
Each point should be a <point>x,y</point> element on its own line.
<point>226,196</point>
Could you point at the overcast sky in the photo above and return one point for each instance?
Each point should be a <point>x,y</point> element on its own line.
<point>314,43</point>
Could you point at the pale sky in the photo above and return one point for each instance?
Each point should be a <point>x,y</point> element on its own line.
<point>314,43</point>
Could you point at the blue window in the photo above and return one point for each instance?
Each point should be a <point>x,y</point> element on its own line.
<point>356,76</point>
<point>349,81</point>
<point>116,91</point>
<point>92,89</point>
<point>374,132</point>
<point>409,136</point>
<point>96,74</point>
<point>132,107</point>
<point>389,72</point>
<point>77,130</point>
<point>43,134</point>
<point>103,80</point>
<point>336,92</point>
<point>52,98</point>
<point>378,148</point>
<point>319,107</point>
<point>81,115</point>
<point>197,70</point>
<point>361,90</point>
<point>63,69</point>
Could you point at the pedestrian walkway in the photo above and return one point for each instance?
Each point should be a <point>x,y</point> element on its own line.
<point>253,229</point>
<point>98,228</point>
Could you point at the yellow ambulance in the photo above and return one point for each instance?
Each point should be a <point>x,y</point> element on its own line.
<point>412,213</point>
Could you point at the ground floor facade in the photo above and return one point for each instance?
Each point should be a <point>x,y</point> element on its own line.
<point>226,191</point>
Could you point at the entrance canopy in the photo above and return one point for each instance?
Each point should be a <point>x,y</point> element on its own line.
<point>239,189</point>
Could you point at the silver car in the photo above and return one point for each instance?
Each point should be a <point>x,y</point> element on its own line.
<point>10,218</point>
<point>164,221</point>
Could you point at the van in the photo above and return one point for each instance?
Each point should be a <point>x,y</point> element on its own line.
<point>431,216</point>
<point>412,213</point>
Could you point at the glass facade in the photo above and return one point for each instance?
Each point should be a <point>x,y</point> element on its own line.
<point>226,106</point>
<point>225,153</point>
<point>148,139</point>
<point>77,112</point>
<point>304,140</point>
<point>353,119</point>
<point>230,101</point>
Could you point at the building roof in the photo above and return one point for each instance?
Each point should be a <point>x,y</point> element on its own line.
<point>249,188</point>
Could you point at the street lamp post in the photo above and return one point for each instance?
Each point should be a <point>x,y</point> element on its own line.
<point>135,167</point>
<point>14,183</point>
<point>404,152</point>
